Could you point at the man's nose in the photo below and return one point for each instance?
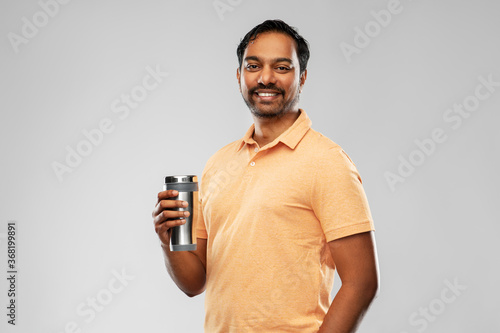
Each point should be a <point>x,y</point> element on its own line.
<point>267,76</point>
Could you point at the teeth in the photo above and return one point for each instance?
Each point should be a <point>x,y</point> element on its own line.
<point>267,94</point>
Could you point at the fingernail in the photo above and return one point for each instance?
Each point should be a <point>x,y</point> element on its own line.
<point>184,204</point>
<point>174,192</point>
<point>185,213</point>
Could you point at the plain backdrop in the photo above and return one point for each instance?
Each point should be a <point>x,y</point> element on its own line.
<point>377,85</point>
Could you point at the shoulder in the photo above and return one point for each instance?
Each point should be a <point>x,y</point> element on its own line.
<point>328,156</point>
<point>221,156</point>
<point>323,147</point>
<point>319,140</point>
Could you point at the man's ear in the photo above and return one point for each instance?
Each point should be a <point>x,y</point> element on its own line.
<point>238,77</point>
<point>303,78</point>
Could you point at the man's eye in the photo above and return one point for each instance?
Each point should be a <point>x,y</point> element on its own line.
<point>282,68</point>
<point>252,67</point>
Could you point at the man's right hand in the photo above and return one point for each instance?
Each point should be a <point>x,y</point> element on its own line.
<point>187,268</point>
<point>164,214</point>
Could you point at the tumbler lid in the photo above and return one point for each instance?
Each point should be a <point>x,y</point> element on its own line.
<point>181,179</point>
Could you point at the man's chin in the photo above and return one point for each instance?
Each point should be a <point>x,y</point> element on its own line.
<point>264,109</point>
<point>267,113</point>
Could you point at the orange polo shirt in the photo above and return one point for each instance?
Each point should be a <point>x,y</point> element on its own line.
<point>267,214</point>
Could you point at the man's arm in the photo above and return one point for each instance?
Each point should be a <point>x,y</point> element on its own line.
<point>356,261</point>
<point>187,268</point>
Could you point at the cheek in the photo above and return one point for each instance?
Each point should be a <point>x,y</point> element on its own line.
<point>243,88</point>
<point>292,86</point>
<point>244,85</point>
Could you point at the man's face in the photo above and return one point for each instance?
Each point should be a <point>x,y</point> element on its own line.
<point>269,77</point>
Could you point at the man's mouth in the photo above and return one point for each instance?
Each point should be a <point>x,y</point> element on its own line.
<point>267,95</point>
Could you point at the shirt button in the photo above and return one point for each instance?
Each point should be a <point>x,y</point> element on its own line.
<point>256,149</point>
<point>252,163</point>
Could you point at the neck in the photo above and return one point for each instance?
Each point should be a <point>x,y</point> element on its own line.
<point>268,129</point>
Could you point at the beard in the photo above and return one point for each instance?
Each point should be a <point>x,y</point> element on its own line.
<point>273,109</point>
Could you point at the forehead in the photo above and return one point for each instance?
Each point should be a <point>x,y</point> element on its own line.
<point>272,45</point>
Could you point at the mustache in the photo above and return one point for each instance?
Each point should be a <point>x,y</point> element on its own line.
<point>268,87</point>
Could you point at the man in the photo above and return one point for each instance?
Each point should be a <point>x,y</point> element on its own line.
<point>280,209</point>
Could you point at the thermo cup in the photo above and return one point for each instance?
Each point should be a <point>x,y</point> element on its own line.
<point>183,237</point>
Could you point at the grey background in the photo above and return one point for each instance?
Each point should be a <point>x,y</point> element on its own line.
<point>436,226</point>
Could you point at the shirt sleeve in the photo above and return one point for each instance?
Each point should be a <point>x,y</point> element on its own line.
<point>338,198</point>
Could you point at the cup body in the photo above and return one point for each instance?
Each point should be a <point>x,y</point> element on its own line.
<point>183,237</point>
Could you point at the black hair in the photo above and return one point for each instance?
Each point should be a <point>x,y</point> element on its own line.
<point>281,27</point>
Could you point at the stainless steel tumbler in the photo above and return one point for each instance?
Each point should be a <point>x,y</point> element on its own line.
<point>183,237</point>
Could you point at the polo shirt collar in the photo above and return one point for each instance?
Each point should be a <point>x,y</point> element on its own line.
<point>291,137</point>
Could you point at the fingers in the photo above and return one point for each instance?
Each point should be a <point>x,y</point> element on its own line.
<point>173,206</point>
<point>167,209</point>
<point>164,222</point>
<point>163,227</point>
<point>167,194</point>
<point>168,215</point>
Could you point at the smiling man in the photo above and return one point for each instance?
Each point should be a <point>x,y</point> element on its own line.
<point>280,210</point>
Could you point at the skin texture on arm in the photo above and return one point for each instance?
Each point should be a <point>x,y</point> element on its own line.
<point>356,261</point>
<point>187,268</point>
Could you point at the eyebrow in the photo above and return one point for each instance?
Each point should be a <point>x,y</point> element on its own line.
<point>274,60</point>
